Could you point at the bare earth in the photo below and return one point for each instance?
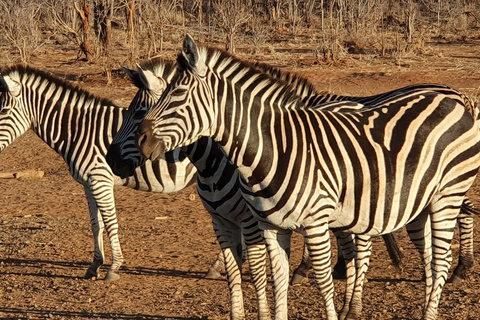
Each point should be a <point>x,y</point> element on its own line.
<point>168,242</point>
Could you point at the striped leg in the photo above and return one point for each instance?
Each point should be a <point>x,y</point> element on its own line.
<point>466,259</point>
<point>230,239</point>
<point>363,247</point>
<point>217,267</point>
<point>349,252</point>
<point>443,221</point>
<point>317,240</point>
<point>278,246</point>
<point>101,202</point>
<point>257,258</point>
<point>419,231</point>
<point>98,227</point>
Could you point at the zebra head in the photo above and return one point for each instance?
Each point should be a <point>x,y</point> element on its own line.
<point>14,118</point>
<point>151,78</point>
<point>185,112</point>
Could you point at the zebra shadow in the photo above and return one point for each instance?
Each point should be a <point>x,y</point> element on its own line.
<point>16,313</point>
<point>46,268</point>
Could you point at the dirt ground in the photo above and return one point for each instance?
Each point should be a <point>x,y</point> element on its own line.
<point>167,239</point>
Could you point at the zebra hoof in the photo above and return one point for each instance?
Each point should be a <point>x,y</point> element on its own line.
<point>111,276</point>
<point>91,275</point>
<point>213,274</point>
<point>298,279</point>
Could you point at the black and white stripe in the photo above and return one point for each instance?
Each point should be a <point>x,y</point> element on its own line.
<point>408,161</point>
<point>80,127</point>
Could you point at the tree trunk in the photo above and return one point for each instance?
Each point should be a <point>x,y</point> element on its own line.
<point>85,45</point>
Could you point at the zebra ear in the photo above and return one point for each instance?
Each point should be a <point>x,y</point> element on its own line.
<point>7,84</point>
<point>191,55</point>
<point>150,81</point>
<point>130,73</point>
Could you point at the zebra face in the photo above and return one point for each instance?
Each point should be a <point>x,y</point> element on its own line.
<point>13,120</point>
<point>123,156</point>
<point>184,113</point>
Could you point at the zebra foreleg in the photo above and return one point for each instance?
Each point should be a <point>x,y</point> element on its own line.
<point>347,243</point>
<point>100,196</point>
<point>363,246</point>
<point>317,240</point>
<point>278,246</point>
<point>98,227</point>
<point>218,266</point>
<point>230,239</point>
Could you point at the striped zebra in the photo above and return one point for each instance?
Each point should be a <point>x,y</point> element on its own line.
<point>306,91</point>
<point>309,170</point>
<point>80,127</point>
<point>123,157</point>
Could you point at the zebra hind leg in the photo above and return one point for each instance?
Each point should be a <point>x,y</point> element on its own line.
<point>466,258</point>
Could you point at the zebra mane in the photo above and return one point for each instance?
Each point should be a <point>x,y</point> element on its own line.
<point>28,71</point>
<point>302,85</point>
<point>218,58</point>
<point>161,68</point>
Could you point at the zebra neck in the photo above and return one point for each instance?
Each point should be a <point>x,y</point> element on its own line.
<point>70,120</point>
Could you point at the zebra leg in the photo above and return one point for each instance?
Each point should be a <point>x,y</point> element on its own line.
<point>218,266</point>
<point>443,220</point>
<point>363,246</point>
<point>257,258</point>
<point>100,195</point>
<point>230,239</point>
<point>301,273</point>
<point>347,244</point>
<point>278,246</point>
<point>98,227</point>
<point>466,258</point>
<point>216,269</point>
<point>419,231</point>
<point>317,240</point>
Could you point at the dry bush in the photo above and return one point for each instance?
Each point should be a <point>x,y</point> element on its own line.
<point>20,26</point>
<point>230,16</point>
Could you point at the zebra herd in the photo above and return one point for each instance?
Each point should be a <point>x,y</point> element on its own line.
<point>270,155</point>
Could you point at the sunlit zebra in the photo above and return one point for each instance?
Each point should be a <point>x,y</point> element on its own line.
<point>408,161</point>
<point>80,127</point>
<point>123,156</point>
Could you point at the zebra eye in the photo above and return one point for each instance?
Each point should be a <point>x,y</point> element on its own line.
<point>179,91</point>
<point>5,111</point>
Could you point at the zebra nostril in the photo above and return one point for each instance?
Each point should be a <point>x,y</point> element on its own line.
<point>140,139</point>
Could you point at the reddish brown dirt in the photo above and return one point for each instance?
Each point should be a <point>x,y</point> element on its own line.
<point>46,242</point>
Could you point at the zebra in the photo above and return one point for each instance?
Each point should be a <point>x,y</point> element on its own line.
<point>232,221</point>
<point>121,155</point>
<point>308,170</point>
<point>310,97</point>
<point>79,127</point>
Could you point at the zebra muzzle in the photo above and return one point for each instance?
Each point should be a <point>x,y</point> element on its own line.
<point>151,147</point>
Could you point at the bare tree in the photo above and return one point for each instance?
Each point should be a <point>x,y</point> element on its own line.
<point>230,15</point>
<point>20,26</point>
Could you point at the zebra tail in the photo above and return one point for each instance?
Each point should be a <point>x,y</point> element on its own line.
<point>393,249</point>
